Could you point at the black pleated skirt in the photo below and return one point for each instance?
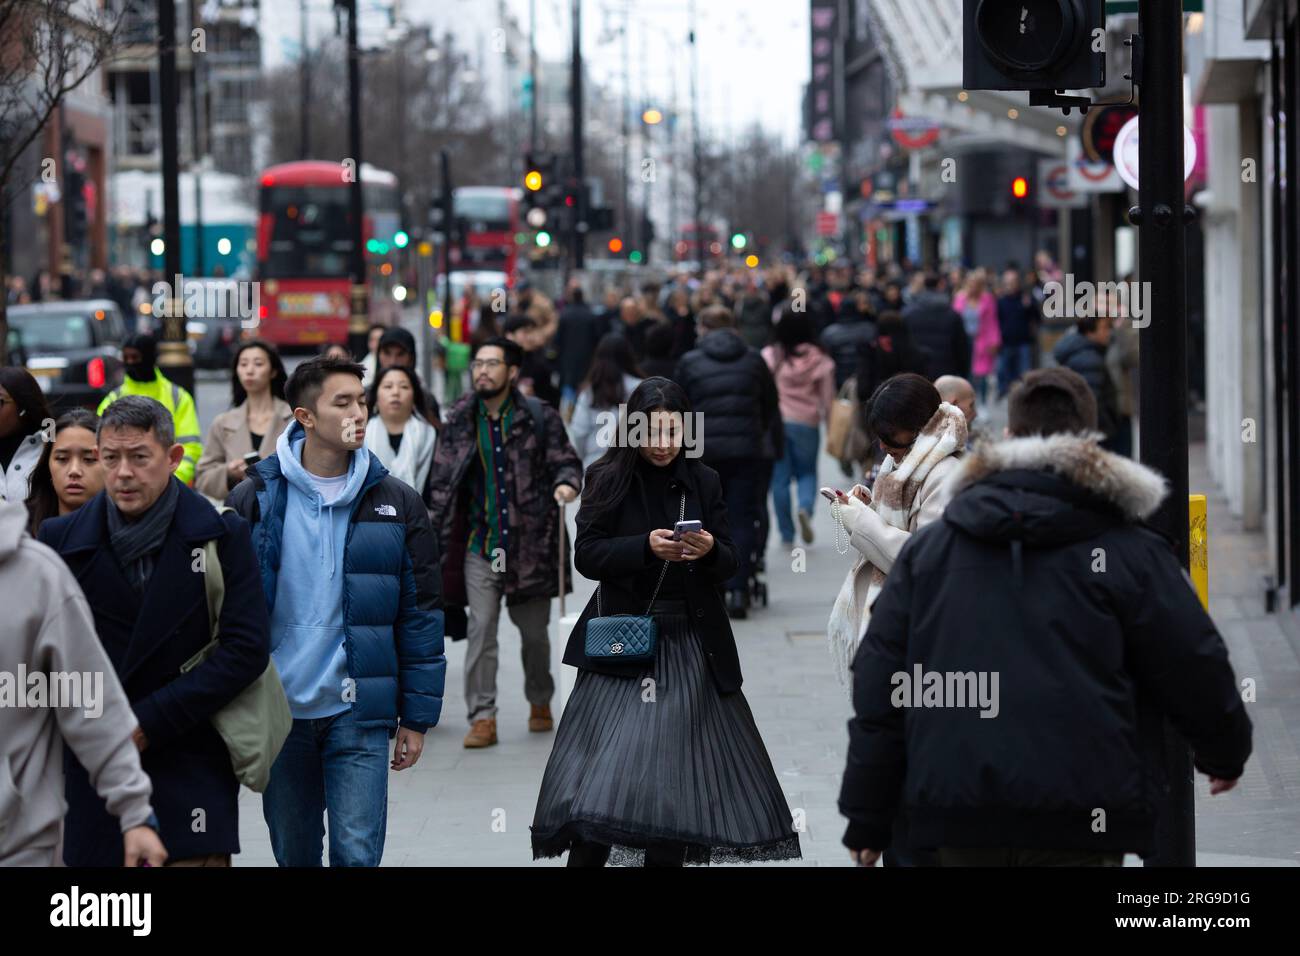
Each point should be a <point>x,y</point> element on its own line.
<point>671,762</point>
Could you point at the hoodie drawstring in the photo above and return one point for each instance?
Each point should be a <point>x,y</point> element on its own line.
<point>326,534</point>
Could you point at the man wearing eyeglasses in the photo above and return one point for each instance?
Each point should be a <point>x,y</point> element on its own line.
<point>503,461</point>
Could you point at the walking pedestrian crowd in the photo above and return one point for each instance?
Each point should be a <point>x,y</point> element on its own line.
<point>267,605</point>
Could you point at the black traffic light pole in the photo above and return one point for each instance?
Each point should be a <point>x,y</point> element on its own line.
<point>173,351</point>
<point>578,221</point>
<point>1158,67</point>
<point>448,233</point>
<point>1001,52</point>
<point>360,300</point>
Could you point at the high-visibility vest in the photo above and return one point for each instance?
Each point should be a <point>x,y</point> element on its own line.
<point>185,417</point>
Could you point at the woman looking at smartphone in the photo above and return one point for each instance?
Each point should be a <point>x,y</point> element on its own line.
<point>659,760</point>
<point>922,438</point>
<point>257,415</point>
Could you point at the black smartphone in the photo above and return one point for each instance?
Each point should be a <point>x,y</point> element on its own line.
<point>685,527</point>
<point>251,458</point>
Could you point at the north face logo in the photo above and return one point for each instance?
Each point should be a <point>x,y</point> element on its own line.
<point>388,511</point>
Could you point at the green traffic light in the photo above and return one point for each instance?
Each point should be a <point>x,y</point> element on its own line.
<point>738,241</point>
<point>401,239</point>
<point>543,239</point>
<point>634,256</point>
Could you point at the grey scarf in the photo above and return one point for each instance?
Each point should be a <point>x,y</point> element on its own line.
<point>137,542</point>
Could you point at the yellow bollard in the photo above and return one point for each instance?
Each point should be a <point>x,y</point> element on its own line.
<point>1198,547</point>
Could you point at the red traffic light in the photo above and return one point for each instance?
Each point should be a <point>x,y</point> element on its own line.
<point>1020,187</point>
<point>570,199</point>
<point>616,245</point>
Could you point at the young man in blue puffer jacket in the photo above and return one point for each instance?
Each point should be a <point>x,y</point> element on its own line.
<point>349,567</point>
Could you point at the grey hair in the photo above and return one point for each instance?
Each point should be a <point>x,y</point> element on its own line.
<point>137,411</point>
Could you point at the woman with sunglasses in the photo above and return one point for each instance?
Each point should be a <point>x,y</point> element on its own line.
<point>923,438</point>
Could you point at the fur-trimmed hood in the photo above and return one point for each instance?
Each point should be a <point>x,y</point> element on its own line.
<point>1049,489</point>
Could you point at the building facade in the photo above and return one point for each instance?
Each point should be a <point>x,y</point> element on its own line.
<point>1244,66</point>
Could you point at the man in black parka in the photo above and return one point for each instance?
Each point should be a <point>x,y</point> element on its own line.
<point>1042,585</point>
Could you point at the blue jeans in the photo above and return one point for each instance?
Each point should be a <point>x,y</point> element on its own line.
<point>1013,362</point>
<point>329,765</point>
<point>798,465</point>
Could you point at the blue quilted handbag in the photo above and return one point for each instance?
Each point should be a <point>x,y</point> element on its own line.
<point>626,637</point>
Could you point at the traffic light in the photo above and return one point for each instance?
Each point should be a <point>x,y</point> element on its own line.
<point>1020,187</point>
<point>543,239</point>
<point>616,245</point>
<point>541,179</point>
<point>738,241</point>
<point>401,239</point>
<point>1047,45</point>
<point>74,206</point>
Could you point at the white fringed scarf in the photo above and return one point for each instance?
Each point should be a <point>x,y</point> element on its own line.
<point>411,463</point>
<point>892,498</point>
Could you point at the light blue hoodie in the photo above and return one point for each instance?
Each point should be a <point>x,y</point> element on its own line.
<point>307,635</point>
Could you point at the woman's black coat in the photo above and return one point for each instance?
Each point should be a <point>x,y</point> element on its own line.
<point>613,547</point>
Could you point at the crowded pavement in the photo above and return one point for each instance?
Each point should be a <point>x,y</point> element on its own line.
<point>483,440</point>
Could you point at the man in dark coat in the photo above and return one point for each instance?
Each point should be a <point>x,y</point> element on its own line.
<point>502,464</point>
<point>853,330</point>
<point>397,347</point>
<point>134,548</point>
<point>938,330</point>
<point>753,314</point>
<point>575,343</point>
<point>632,323</point>
<point>537,374</point>
<point>1018,322</point>
<point>731,387</point>
<point>1083,350</point>
<point>1041,602</point>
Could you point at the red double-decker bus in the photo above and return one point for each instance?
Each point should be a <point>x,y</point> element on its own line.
<point>489,218</point>
<point>304,250</point>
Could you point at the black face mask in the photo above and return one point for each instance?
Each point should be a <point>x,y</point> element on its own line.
<point>140,371</point>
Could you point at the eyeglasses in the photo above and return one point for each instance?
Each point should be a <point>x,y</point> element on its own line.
<point>889,444</point>
<point>490,364</point>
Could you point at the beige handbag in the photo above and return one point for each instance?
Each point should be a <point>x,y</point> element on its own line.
<point>842,421</point>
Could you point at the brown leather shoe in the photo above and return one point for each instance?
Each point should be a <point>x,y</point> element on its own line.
<point>539,718</point>
<point>483,733</point>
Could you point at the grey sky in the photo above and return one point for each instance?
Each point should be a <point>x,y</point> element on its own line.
<point>753,54</point>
